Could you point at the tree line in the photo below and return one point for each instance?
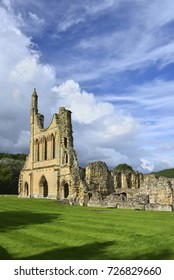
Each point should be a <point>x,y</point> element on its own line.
<point>10,167</point>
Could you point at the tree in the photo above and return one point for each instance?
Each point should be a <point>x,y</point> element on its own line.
<point>9,173</point>
<point>123,167</point>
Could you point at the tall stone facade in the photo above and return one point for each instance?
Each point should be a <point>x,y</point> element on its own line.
<point>51,170</point>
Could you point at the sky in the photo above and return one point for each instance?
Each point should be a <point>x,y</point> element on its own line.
<point>110,62</point>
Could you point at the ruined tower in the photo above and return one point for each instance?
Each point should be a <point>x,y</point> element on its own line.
<point>51,168</point>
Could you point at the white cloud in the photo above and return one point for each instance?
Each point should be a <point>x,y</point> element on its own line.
<point>100,128</point>
<point>156,164</point>
<point>96,7</point>
<point>153,95</point>
<point>7,4</point>
<point>77,14</point>
<point>36,19</point>
<point>141,42</point>
<point>84,106</point>
<point>147,165</point>
<point>29,69</point>
<point>21,71</point>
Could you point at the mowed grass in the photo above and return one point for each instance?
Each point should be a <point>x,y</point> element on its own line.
<point>44,229</point>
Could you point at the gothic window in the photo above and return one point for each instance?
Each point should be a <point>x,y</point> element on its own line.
<point>45,149</point>
<point>43,187</point>
<point>53,146</point>
<point>65,142</point>
<point>26,189</point>
<point>37,151</point>
<point>66,158</point>
<point>66,190</point>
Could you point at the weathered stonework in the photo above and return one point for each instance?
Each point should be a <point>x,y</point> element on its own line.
<point>52,171</point>
<point>128,189</point>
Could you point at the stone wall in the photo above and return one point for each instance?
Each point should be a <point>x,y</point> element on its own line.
<point>52,171</point>
<point>123,189</point>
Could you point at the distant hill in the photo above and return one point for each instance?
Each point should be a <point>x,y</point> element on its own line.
<point>168,173</point>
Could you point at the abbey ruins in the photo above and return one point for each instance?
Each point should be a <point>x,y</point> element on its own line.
<point>51,170</point>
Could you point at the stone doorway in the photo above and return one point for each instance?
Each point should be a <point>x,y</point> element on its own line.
<point>123,196</point>
<point>26,189</point>
<point>66,190</point>
<point>43,187</point>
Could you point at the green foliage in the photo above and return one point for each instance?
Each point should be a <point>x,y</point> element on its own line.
<point>13,156</point>
<point>43,229</point>
<point>123,167</point>
<point>168,173</point>
<point>10,166</point>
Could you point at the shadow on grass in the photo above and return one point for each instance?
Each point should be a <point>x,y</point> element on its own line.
<point>85,252</point>
<point>97,251</point>
<point>19,219</point>
<point>164,254</point>
<point>92,251</point>
<point>4,255</point>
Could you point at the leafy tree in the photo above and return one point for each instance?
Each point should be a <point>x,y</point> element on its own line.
<point>10,167</point>
<point>13,156</point>
<point>123,167</point>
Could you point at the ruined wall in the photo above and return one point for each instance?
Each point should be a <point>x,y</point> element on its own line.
<point>97,177</point>
<point>52,171</point>
<point>127,189</point>
<point>160,192</point>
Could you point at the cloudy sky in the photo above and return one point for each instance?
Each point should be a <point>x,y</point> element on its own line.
<point>111,62</point>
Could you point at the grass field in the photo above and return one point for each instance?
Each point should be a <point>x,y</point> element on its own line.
<point>44,229</point>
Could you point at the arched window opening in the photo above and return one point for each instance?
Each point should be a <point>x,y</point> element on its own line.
<point>66,190</point>
<point>66,158</point>
<point>38,151</point>
<point>139,180</point>
<point>45,190</point>
<point>26,189</point>
<point>65,142</point>
<point>43,187</point>
<point>89,196</point>
<point>45,149</point>
<point>53,147</point>
<point>123,196</point>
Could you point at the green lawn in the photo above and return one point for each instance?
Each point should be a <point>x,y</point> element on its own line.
<point>44,229</point>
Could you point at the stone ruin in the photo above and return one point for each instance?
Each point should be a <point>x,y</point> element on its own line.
<point>51,171</point>
<point>127,189</point>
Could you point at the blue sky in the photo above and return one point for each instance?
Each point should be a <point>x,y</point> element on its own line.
<point>110,62</point>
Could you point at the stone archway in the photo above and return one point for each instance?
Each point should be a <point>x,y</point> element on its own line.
<point>26,189</point>
<point>89,196</point>
<point>43,187</point>
<point>66,190</point>
<point>123,196</point>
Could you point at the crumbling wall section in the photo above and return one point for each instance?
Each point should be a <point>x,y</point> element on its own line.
<point>122,189</point>
<point>97,177</point>
<point>160,191</point>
